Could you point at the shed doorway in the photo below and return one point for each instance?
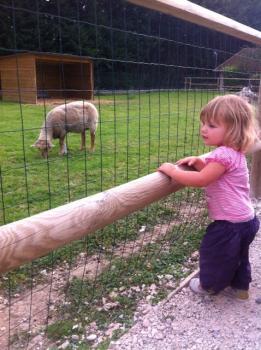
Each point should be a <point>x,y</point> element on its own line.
<point>63,80</point>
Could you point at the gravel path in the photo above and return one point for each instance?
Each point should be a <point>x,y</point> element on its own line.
<point>189,321</point>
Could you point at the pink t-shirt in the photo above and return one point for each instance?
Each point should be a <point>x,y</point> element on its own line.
<point>228,197</point>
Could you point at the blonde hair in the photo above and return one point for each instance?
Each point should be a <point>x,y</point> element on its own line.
<point>238,117</point>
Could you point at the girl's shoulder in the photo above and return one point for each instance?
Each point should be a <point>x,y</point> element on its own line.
<point>228,151</point>
<point>227,156</point>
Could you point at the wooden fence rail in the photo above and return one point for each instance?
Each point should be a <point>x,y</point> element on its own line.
<point>190,12</point>
<point>30,238</point>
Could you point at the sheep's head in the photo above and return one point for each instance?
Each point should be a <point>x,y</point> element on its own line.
<point>44,146</point>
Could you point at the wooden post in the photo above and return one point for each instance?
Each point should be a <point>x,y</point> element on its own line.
<point>199,15</point>
<point>255,175</point>
<point>27,239</point>
<point>221,82</point>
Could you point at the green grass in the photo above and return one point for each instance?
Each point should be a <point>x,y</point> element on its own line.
<point>134,136</point>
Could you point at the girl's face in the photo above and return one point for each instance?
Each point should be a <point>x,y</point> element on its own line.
<point>213,134</point>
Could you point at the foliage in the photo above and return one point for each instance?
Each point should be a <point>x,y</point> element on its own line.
<point>60,329</point>
<point>247,12</point>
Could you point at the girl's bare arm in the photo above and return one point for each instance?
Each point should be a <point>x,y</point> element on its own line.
<point>210,173</point>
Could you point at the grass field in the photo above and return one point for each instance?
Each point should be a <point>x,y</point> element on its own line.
<point>136,133</point>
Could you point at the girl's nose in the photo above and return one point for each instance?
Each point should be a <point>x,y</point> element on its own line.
<point>203,128</point>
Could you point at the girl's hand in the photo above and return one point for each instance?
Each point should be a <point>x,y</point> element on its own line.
<point>167,169</point>
<point>190,161</point>
<point>197,162</point>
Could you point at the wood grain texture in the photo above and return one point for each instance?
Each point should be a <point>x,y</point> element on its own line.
<point>27,239</point>
<point>199,15</point>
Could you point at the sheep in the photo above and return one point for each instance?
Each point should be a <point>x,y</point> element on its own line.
<point>247,94</point>
<point>71,117</point>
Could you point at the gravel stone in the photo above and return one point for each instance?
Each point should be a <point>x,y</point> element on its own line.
<point>91,337</point>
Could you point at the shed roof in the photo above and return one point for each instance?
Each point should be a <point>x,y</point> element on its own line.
<point>246,60</point>
<point>50,57</point>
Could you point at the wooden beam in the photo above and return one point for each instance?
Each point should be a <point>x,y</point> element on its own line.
<point>255,175</point>
<point>199,15</point>
<point>30,238</point>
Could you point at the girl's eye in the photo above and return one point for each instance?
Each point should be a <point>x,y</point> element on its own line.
<point>209,125</point>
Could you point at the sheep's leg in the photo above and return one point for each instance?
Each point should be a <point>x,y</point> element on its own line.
<point>83,138</point>
<point>92,141</point>
<point>63,147</point>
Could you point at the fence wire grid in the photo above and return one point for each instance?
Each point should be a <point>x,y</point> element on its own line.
<point>148,74</point>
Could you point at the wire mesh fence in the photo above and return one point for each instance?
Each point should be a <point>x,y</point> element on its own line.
<point>131,63</point>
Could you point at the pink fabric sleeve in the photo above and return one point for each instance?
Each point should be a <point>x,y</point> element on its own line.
<point>220,155</point>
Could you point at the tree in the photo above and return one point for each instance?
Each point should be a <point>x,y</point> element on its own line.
<point>247,12</point>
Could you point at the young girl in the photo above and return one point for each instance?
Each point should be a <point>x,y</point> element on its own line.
<point>227,122</point>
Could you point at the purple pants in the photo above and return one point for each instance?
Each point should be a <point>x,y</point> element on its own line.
<point>224,255</point>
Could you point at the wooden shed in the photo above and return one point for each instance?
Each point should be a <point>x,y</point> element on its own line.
<point>247,61</point>
<point>27,77</point>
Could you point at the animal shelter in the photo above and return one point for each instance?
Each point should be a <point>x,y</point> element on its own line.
<point>238,71</point>
<point>247,62</point>
<point>27,77</point>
